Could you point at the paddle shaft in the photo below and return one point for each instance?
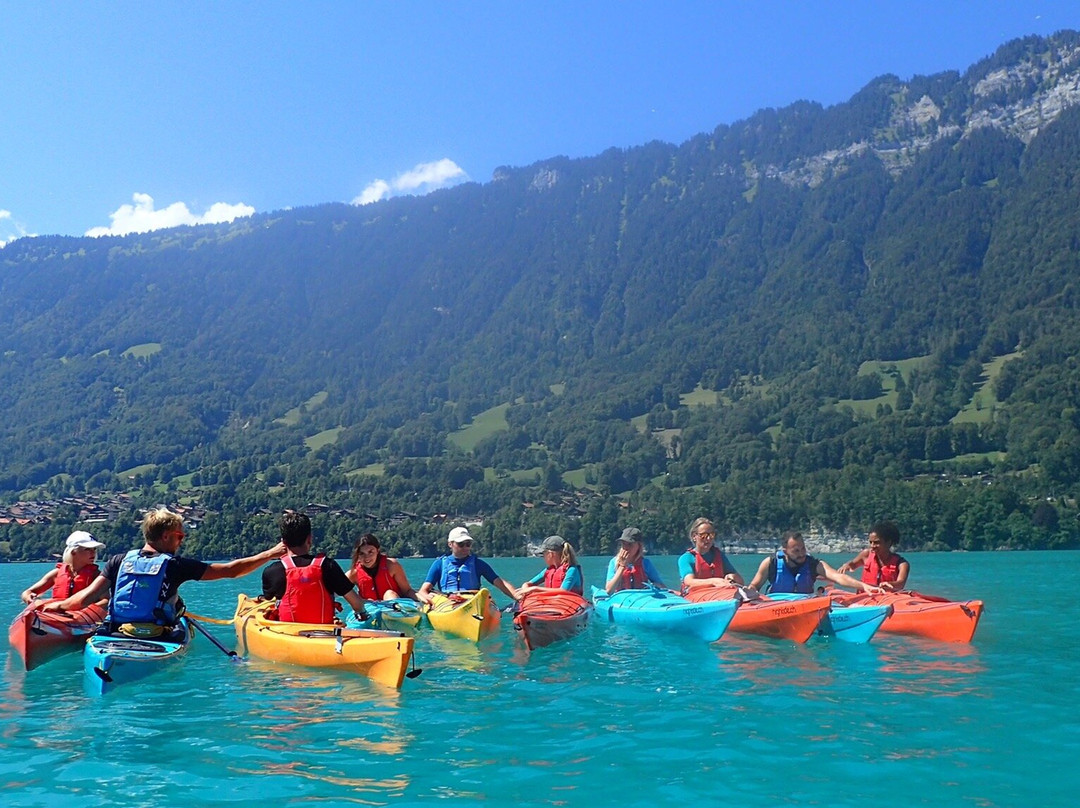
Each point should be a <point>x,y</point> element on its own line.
<point>229,653</point>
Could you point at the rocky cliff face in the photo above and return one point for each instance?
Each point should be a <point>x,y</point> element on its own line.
<point>1019,99</point>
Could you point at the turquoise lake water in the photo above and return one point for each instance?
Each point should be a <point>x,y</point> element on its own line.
<point>613,717</point>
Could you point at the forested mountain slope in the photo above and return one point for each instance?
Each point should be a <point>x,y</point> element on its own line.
<point>817,316</point>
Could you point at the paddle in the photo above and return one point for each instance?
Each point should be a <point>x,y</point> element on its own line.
<point>216,621</point>
<point>228,652</point>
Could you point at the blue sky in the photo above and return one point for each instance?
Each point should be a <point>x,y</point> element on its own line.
<point>125,116</point>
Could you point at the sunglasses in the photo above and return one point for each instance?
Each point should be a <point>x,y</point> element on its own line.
<point>463,543</point>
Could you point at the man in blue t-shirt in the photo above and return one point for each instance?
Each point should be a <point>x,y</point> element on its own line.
<point>460,570</point>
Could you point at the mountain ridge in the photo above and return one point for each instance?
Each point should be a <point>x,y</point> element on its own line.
<point>732,261</point>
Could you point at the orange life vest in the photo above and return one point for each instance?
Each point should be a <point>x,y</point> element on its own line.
<point>306,599</point>
<point>68,583</point>
<point>374,587</point>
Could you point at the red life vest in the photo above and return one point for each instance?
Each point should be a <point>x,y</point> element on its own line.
<point>876,573</point>
<point>703,569</point>
<point>554,577</point>
<point>67,584</point>
<point>306,599</point>
<point>634,577</point>
<point>374,587</point>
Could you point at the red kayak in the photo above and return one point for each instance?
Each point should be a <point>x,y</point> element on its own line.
<point>547,617</point>
<point>39,636</point>
<point>922,615</point>
<point>794,620</point>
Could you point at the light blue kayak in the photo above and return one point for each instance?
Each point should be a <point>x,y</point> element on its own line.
<point>660,609</point>
<point>113,660</point>
<point>398,614</point>
<point>857,624</point>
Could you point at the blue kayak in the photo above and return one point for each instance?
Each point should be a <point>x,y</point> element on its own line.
<point>857,624</point>
<point>110,660</point>
<point>661,609</point>
<point>389,615</point>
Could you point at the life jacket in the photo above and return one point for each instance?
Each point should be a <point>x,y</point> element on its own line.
<point>459,577</point>
<point>875,573</point>
<point>67,583</point>
<point>554,577</point>
<point>635,577</point>
<point>374,587</point>
<point>704,569</point>
<point>800,581</point>
<point>306,599</point>
<point>139,592</point>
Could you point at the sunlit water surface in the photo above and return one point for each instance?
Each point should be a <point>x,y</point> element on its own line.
<point>613,717</point>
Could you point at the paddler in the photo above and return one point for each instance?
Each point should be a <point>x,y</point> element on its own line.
<point>303,583</point>
<point>630,569</point>
<point>144,583</point>
<point>376,575</point>
<point>76,571</point>
<point>562,573</point>
<point>880,565</point>
<point>705,564</point>
<point>460,570</point>
<point>792,570</point>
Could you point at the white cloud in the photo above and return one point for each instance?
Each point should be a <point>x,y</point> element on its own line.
<point>422,179</point>
<point>142,217</point>
<point>10,229</point>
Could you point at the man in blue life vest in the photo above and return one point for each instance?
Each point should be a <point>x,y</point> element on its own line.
<point>303,583</point>
<point>144,583</point>
<point>460,570</point>
<point>792,570</point>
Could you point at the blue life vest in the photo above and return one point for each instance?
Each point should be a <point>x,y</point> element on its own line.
<point>139,594</point>
<point>459,578</point>
<point>800,581</point>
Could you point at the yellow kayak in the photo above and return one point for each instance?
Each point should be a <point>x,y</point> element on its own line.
<point>471,615</point>
<point>382,656</point>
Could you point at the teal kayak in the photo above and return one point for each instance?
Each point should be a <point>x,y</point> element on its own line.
<point>111,660</point>
<point>857,624</point>
<point>660,609</point>
<point>388,615</point>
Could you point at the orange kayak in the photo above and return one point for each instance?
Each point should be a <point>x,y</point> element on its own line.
<point>922,615</point>
<point>546,617</point>
<point>39,636</point>
<point>794,620</point>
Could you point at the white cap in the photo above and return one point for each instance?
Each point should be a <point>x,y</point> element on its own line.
<point>459,534</point>
<point>80,538</point>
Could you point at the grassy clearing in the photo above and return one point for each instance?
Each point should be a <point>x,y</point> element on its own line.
<point>980,410</point>
<point>889,373</point>
<point>372,470</point>
<point>292,417</point>
<point>324,438</point>
<point>484,425</point>
<point>134,471</point>
<point>558,388</point>
<point>144,350</point>
<point>699,396</point>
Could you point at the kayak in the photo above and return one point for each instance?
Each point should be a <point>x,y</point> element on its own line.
<point>920,615</point>
<point>664,610</point>
<point>794,620</point>
<point>382,656</point>
<point>40,636</point>
<point>110,660</point>
<point>394,615</point>
<point>471,615</point>
<point>855,624</point>
<point>543,618</point>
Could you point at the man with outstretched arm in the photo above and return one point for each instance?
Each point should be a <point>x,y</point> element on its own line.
<point>792,570</point>
<point>143,584</point>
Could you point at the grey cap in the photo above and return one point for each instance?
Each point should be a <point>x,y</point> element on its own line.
<point>631,534</point>
<point>555,543</point>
